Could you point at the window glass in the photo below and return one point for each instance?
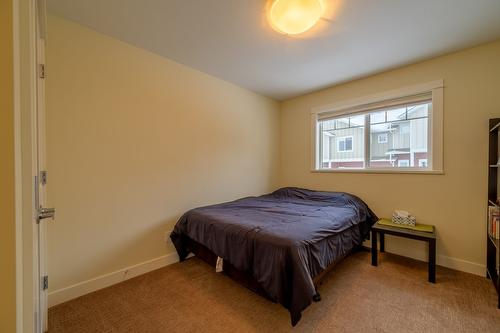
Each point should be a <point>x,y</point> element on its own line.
<point>418,111</point>
<point>343,147</point>
<point>344,144</point>
<point>342,123</point>
<point>422,162</point>
<point>382,138</point>
<point>377,117</point>
<point>396,114</point>
<point>358,120</point>
<point>398,138</point>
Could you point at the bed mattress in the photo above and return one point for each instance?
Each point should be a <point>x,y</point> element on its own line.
<point>284,239</point>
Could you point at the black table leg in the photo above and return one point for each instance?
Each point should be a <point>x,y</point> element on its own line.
<point>374,248</point>
<point>382,242</point>
<point>432,260</point>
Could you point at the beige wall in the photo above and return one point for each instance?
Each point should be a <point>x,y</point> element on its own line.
<point>134,140</point>
<point>456,201</point>
<point>7,208</point>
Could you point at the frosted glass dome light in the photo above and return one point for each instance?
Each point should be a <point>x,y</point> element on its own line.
<point>295,16</point>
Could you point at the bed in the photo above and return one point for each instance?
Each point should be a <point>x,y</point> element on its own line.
<point>280,244</point>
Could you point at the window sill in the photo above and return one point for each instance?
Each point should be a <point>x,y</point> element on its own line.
<point>386,171</point>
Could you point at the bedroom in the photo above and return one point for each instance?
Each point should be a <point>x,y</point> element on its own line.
<point>152,109</point>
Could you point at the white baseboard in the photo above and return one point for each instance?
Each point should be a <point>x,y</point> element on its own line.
<point>420,253</point>
<point>461,265</point>
<point>106,280</point>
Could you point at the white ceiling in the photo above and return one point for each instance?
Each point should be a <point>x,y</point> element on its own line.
<point>231,39</point>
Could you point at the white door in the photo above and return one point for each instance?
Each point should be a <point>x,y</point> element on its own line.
<point>42,214</point>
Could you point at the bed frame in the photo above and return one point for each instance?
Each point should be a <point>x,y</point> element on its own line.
<point>245,278</point>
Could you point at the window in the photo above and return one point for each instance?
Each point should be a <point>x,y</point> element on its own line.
<point>397,132</point>
<point>405,126</point>
<point>382,138</point>
<point>405,129</point>
<point>344,144</point>
<point>403,163</point>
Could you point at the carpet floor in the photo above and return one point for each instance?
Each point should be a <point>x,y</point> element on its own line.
<point>356,297</point>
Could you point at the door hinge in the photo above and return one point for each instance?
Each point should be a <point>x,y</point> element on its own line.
<point>45,282</point>
<point>43,177</point>
<point>41,71</point>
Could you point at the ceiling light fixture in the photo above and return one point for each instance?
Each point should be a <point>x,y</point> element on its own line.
<point>295,16</point>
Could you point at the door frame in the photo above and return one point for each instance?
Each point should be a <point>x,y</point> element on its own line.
<point>41,162</point>
<point>25,112</point>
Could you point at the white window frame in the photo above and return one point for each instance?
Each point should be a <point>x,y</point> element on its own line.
<point>344,138</point>
<point>435,127</point>
<point>382,135</point>
<point>403,166</point>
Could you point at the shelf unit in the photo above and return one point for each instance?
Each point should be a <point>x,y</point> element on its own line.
<point>493,245</point>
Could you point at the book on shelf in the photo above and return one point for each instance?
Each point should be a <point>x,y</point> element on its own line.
<point>494,221</point>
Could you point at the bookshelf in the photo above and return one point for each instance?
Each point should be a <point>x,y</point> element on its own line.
<point>493,245</point>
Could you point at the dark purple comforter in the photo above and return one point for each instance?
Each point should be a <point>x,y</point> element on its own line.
<point>284,239</point>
